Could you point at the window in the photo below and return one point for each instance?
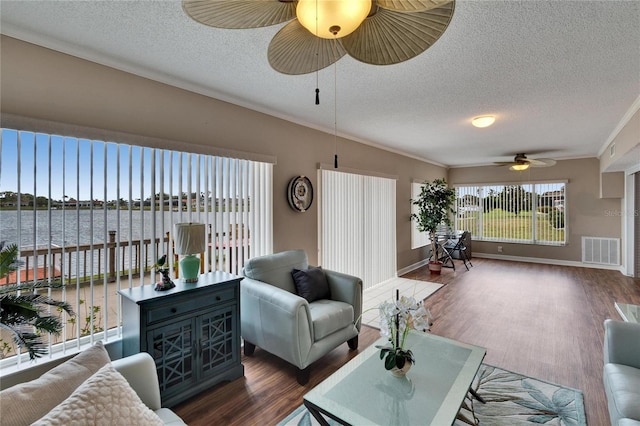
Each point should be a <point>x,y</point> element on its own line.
<point>531,213</point>
<point>97,215</point>
<point>418,239</point>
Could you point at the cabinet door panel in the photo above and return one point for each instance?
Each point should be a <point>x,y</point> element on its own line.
<point>172,348</point>
<point>218,339</point>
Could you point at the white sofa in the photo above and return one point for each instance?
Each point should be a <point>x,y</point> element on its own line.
<point>90,389</point>
<point>140,372</point>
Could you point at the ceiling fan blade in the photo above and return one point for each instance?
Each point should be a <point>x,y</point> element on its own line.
<point>389,37</point>
<point>234,14</point>
<point>542,162</point>
<point>294,50</point>
<point>411,5</point>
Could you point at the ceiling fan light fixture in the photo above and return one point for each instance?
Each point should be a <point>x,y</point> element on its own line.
<point>335,18</point>
<point>519,167</point>
<point>483,121</point>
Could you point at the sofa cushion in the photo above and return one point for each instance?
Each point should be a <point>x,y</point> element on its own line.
<point>103,399</point>
<point>623,384</point>
<point>329,316</point>
<point>17,402</point>
<point>275,269</point>
<point>311,284</point>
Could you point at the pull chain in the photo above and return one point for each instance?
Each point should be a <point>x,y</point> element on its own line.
<point>335,105</point>
<point>317,61</point>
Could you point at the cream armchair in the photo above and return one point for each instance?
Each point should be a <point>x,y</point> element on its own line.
<point>274,318</point>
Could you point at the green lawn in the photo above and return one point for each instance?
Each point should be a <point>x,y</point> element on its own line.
<point>504,225</point>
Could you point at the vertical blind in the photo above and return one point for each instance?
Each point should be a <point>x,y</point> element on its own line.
<point>358,225</point>
<point>636,224</point>
<point>97,215</point>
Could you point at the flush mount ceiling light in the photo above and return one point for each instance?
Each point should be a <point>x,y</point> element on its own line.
<point>483,121</point>
<point>377,32</point>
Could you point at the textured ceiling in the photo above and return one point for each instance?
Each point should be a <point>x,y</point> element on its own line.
<point>559,75</point>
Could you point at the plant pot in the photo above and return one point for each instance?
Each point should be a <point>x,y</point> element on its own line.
<point>435,267</point>
<point>401,372</point>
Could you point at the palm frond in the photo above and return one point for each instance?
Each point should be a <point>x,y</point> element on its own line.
<point>22,308</point>
<point>48,324</point>
<point>9,261</point>
<point>32,342</point>
<point>29,286</point>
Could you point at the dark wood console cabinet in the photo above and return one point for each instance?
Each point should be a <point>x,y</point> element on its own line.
<point>192,331</point>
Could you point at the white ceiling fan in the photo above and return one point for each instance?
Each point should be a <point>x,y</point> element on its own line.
<point>521,162</point>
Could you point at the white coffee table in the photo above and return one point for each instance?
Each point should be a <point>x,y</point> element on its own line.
<point>362,392</point>
<point>628,312</point>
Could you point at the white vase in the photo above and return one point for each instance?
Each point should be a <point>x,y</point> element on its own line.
<point>401,372</point>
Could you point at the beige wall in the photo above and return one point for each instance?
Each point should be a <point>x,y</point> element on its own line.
<point>626,140</point>
<point>47,85</point>
<point>588,214</point>
<point>43,84</point>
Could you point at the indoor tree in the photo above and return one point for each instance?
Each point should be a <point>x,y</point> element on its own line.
<point>434,203</point>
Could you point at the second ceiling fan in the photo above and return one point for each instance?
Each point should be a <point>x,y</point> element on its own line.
<point>521,162</point>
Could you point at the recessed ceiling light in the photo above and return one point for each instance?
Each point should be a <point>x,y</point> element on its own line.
<point>483,121</point>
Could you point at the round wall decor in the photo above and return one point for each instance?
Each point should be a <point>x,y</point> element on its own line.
<point>300,193</point>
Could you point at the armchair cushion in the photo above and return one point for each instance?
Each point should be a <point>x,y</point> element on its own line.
<point>275,269</point>
<point>622,343</point>
<point>329,316</point>
<point>621,372</point>
<point>621,386</point>
<point>311,284</point>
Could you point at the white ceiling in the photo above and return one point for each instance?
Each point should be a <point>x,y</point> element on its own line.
<point>559,75</point>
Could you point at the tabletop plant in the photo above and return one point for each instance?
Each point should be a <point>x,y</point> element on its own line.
<point>23,309</point>
<point>435,206</point>
<point>162,268</point>
<point>396,319</point>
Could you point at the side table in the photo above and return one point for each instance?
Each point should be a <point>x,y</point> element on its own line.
<point>192,331</point>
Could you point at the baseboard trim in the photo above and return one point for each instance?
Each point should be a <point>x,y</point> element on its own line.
<point>413,267</point>
<point>543,260</point>
<point>547,261</point>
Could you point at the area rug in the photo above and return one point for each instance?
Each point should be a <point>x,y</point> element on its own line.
<point>385,291</point>
<point>511,399</point>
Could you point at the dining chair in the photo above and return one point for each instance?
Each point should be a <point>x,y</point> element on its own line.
<point>458,246</point>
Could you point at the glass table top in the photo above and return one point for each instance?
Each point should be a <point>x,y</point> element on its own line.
<point>628,312</point>
<point>363,392</point>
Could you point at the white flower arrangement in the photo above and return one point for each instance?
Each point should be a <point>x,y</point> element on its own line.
<point>396,319</point>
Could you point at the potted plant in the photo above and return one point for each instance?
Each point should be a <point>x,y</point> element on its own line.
<point>396,319</point>
<point>23,309</point>
<point>163,269</point>
<point>434,203</point>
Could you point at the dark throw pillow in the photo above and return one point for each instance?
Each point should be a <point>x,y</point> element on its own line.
<point>311,284</point>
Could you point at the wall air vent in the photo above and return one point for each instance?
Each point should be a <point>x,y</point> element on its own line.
<point>601,251</point>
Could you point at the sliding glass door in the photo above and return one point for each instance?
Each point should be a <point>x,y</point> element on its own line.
<point>358,225</point>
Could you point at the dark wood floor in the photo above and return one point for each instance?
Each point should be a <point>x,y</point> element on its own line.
<point>540,320</point>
